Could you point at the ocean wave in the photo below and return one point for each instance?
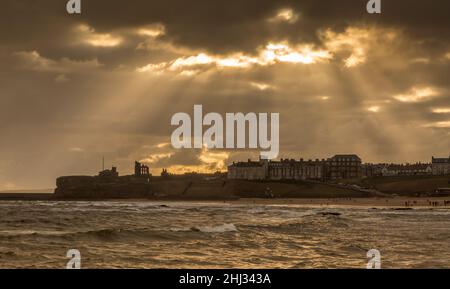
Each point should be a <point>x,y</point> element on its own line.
<point>307,223</point>
<point>215,229</point>
<point>118,234</point>
<point>18,233</point>
<point>145,233</point>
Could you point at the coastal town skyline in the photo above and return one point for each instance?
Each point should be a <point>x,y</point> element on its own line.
<point>313,168</point>
<point>349,166</point>
<point>107,82</point>
<point>436,165</point>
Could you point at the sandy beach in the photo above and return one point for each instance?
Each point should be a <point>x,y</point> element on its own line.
<point>401,202</point>
<point>378,202</point>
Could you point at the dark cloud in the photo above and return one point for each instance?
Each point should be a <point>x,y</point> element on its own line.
<point>242,25</point>
<point>215,25</point>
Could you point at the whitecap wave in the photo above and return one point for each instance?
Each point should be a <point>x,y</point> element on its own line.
<point>216,229</point>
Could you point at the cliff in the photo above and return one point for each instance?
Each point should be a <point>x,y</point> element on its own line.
<point>84,187</point>
<point>81,187</point>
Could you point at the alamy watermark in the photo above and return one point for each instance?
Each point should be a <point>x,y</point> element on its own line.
<point>374,6</point>
<point>75,259</point>
<point>374,259</point>
<point>74,7</point>
<point>231,134</point>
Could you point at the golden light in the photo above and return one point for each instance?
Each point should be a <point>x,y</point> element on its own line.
<point>163,145</point>
<point>151,159</point>
<point>104,40</point>
<point>285,15</point>
<point>271,54</point>
<point>374,109</point>
<point>261,86</point>
<point>89,36</point>
<point>156,68</point>
<point>355,40</point>
<point>152,31</point>
<point>441,110</point>
<point>417,94</point>
<point>439,124</point>
<point>283,52</point>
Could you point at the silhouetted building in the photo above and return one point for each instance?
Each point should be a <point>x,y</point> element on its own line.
<point>141,170</point>
<point>290,169</point>
<point>250,170</point>
<point>112,173</point>
<point>285,169</point>
<point>165,173</point>
<point>344,167</point>
<point>440,166</point>
<point>372,170</point>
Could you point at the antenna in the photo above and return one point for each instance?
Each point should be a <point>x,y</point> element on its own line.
<point>103,164</point>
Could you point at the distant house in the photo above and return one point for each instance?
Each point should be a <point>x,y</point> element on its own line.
<point>406,170</point>
<point>285,169</point>
<point>112,173</point>
<point>344,167</point>
<point>440,166</point>
<point>249,170</point>
<point>337,167</point>
<point>290,169</point>
<point>372,170</point>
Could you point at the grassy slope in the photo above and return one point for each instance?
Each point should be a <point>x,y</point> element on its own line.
<point>290,190</point>
<point>405,185</point>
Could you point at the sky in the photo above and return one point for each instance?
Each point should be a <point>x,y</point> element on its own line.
<point>76,88</point>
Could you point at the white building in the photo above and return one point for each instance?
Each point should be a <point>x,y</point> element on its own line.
<point>406,170</point>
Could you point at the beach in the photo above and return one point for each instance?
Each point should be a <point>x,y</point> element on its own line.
<point>400,202</point>
<point>408,202</point>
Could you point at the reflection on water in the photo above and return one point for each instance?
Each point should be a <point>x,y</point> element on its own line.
<point>215,235</point>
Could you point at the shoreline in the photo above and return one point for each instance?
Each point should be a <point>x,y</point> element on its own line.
<point>378,202</point>
<point>397,202</point>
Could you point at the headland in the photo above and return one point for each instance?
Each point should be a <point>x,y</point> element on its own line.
<point>108,185</point>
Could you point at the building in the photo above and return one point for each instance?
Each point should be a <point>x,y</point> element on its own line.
<point>290,169</point>
<point>112,173</point>
<point>372,170</point>
<point>337,167</point>
<point>285,169</point>
<point>344,167</point>
<point>141,170</point>
<point>250,170</point>
<point>165,173</point>
<point>406,170</point>
<point>440,166</point>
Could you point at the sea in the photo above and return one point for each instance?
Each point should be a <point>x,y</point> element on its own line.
<point>144,234</point>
